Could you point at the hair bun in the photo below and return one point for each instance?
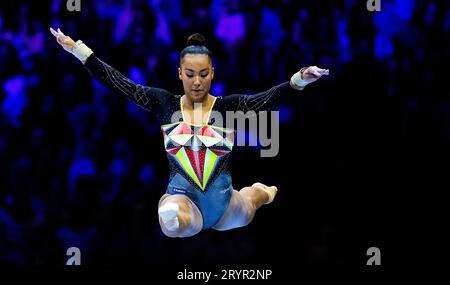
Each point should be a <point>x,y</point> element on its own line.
<point>196,40</point>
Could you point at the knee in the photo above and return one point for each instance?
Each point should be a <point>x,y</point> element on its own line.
<point>171,234</point>
<point>187,231</point>
<point>186,226</point>
<point>185,221</point>
<point>180,232</point>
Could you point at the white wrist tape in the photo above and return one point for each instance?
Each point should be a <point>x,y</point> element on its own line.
<point>81,51</point>
<point>298,81</point>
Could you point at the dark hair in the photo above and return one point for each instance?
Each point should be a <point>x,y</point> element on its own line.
<point>196,44</point>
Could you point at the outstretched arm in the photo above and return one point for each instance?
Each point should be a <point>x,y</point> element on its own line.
<point>78,49</point>
<point>273,97</point>
<point>307,75</point>
<point>148,98</point>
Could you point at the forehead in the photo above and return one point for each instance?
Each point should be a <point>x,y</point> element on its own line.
<point>196,61</point>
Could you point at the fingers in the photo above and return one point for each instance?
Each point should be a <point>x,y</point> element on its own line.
<point>314,70</point>
<point>61,38</point>
<point>53,32</point>
<point>61,32</point>
<point>58,33</point>
<point>323,71</point>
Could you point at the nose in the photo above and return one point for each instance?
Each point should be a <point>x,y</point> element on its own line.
<point>197,80</point>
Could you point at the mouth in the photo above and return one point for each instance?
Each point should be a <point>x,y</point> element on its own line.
<point>197,91</point>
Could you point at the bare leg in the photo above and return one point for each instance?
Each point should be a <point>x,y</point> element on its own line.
<point>179,216</point>
<point>243,205</point>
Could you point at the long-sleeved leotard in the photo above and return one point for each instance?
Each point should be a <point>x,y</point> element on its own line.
<point>199,155</point>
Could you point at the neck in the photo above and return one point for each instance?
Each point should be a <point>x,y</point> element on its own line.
<point>188,103</point>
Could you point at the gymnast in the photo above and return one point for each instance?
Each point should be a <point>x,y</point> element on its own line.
<point>200,194</point>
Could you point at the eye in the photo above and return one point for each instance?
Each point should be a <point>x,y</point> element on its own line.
<point>189,75</point>
<point>204,75</point>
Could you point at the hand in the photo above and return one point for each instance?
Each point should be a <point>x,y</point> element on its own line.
<point>312,73</point>
<point>66,42</point>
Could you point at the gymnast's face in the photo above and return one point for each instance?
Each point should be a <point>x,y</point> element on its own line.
<point>196,72</point>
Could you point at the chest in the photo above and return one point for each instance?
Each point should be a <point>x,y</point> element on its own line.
<point>198,116</point>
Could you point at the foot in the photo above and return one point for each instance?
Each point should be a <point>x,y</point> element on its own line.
<point>169,216</point>
<point>271,191</point>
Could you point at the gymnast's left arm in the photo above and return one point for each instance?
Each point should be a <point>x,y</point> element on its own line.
<point>276,95</point>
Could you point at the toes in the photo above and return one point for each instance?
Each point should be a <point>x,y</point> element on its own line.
<point>259,185</point>
<point>273,188</point>
<point>271,191</point>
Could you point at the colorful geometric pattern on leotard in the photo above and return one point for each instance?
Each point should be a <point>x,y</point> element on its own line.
<point>197,149</point>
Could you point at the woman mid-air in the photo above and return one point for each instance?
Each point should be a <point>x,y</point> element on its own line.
<point>200,194</point>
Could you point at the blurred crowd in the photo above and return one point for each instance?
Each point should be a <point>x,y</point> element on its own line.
<point>81,166</point>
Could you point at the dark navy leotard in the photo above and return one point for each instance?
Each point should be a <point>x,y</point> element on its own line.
<point>199,155</point>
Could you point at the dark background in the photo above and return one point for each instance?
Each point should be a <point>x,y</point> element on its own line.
<point>363,151</point>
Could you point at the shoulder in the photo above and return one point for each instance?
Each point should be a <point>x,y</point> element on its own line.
<point>162,94</point>
<point>228,102</point>
<point>228,98</point>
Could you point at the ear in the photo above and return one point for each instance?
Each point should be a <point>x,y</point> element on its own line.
<point>212,73</point>
<point>179,73</point>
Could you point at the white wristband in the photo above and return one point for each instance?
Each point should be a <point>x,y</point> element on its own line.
<point>81,51</point>
<point>297,81</point>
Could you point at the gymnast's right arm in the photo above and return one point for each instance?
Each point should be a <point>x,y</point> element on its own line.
<point>148,98</point>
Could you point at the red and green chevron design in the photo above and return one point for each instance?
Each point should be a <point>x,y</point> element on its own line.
<point>197,149</point>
